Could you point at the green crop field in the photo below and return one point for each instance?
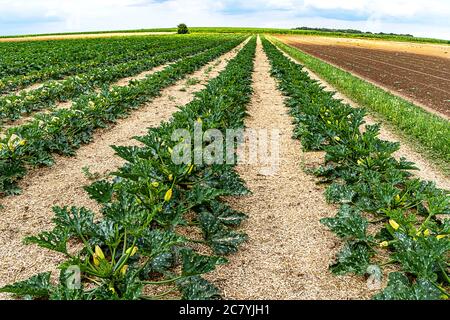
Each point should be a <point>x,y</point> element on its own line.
<point>90,191</point>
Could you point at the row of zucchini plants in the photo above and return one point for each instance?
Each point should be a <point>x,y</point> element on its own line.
<point>22,64</point>
<point>13,106</point>
<point>387,217</point>
<point>64,130</point>
<point>143,246</point>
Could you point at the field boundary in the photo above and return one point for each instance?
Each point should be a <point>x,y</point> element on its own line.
<point>87,35</point>
<point>251,30</point>
<point>384,87</point>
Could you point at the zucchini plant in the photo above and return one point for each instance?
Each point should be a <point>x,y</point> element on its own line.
<point>139,248</point>
<point>64,130</point>
<point>13,106</point>
<point>26,63</point>
<point>409,226</point>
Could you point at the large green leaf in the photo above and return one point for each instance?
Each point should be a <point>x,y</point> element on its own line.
<point>37,286</point>
<point>77,221</point>
<point>353,258</point>
<point>200,195</point>
<point>197,288</point>
<point>224,213</point>
<point>63,291</point>
<point>222,239</point>
<point>100,191</point>
<point>348,223</point>
<point>196,264</point>
<point>106,232</point>
<point>338,193</point>
<point>131,287</point>
<point>55,240</point>
<point>154,242</point>
<point>421,256</point>
<point>128,213</point>
<point>400,288</point>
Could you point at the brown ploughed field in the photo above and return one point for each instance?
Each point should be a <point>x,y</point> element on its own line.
<point>422,78</point>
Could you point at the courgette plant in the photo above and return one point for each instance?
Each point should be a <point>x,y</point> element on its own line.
<point>139,247</point>
<point>63,131</point>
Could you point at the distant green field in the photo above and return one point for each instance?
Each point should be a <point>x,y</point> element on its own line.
<point>321,33</point>
<point>92,32</point>
<point>263,30</point>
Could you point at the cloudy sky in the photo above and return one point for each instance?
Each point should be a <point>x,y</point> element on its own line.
<point>429,18</point>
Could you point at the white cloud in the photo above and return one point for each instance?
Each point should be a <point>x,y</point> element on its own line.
<point>421,17</point>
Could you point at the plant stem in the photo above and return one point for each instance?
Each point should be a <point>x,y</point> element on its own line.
<point>441,289</point>
<point>444,273</point>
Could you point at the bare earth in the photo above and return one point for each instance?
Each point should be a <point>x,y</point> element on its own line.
<point>30,213</point>
<point>421,79</point>
<point>82,36</point>
<point>289,251</point>
<point>429,49</point>
<point>426,170</point>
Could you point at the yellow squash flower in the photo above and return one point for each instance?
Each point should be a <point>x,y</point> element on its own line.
<point>155,184</point>
<point>440,236</point>
<point>95,260</point>
<point>394,224</point>
<point>99,253</point>
<point>426,233</point>
<point>132,251</point>
<point>124,269</point>
<point>168,195</point>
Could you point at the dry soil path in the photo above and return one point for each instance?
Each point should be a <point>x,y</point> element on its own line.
<point>289,251</point>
